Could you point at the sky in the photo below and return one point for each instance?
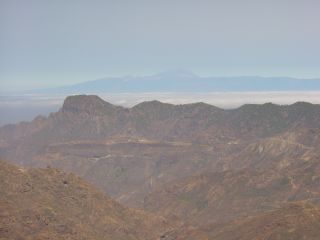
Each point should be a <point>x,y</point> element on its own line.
<point>47,43</point>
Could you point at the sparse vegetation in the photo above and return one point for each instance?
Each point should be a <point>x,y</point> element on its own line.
<point>198,166</point>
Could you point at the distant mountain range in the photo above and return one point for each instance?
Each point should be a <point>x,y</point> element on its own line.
<point>185,81</point>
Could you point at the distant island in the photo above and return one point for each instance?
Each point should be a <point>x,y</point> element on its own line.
<point>184,81</point>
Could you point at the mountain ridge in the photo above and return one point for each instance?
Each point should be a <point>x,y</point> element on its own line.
<point>80,101</point>
<point>150,144</point>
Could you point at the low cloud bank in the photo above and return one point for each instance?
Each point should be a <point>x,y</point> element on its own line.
<point>219,99</point>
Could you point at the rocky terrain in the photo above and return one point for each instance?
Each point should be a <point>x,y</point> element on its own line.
<point>51,204</point>
<point>208,171</point>
<point>294,221</point>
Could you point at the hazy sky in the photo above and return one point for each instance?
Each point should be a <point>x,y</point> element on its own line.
<point>49,43</point>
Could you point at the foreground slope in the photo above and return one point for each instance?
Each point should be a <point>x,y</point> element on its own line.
<point>50,204</point>
<point>294,221</point>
